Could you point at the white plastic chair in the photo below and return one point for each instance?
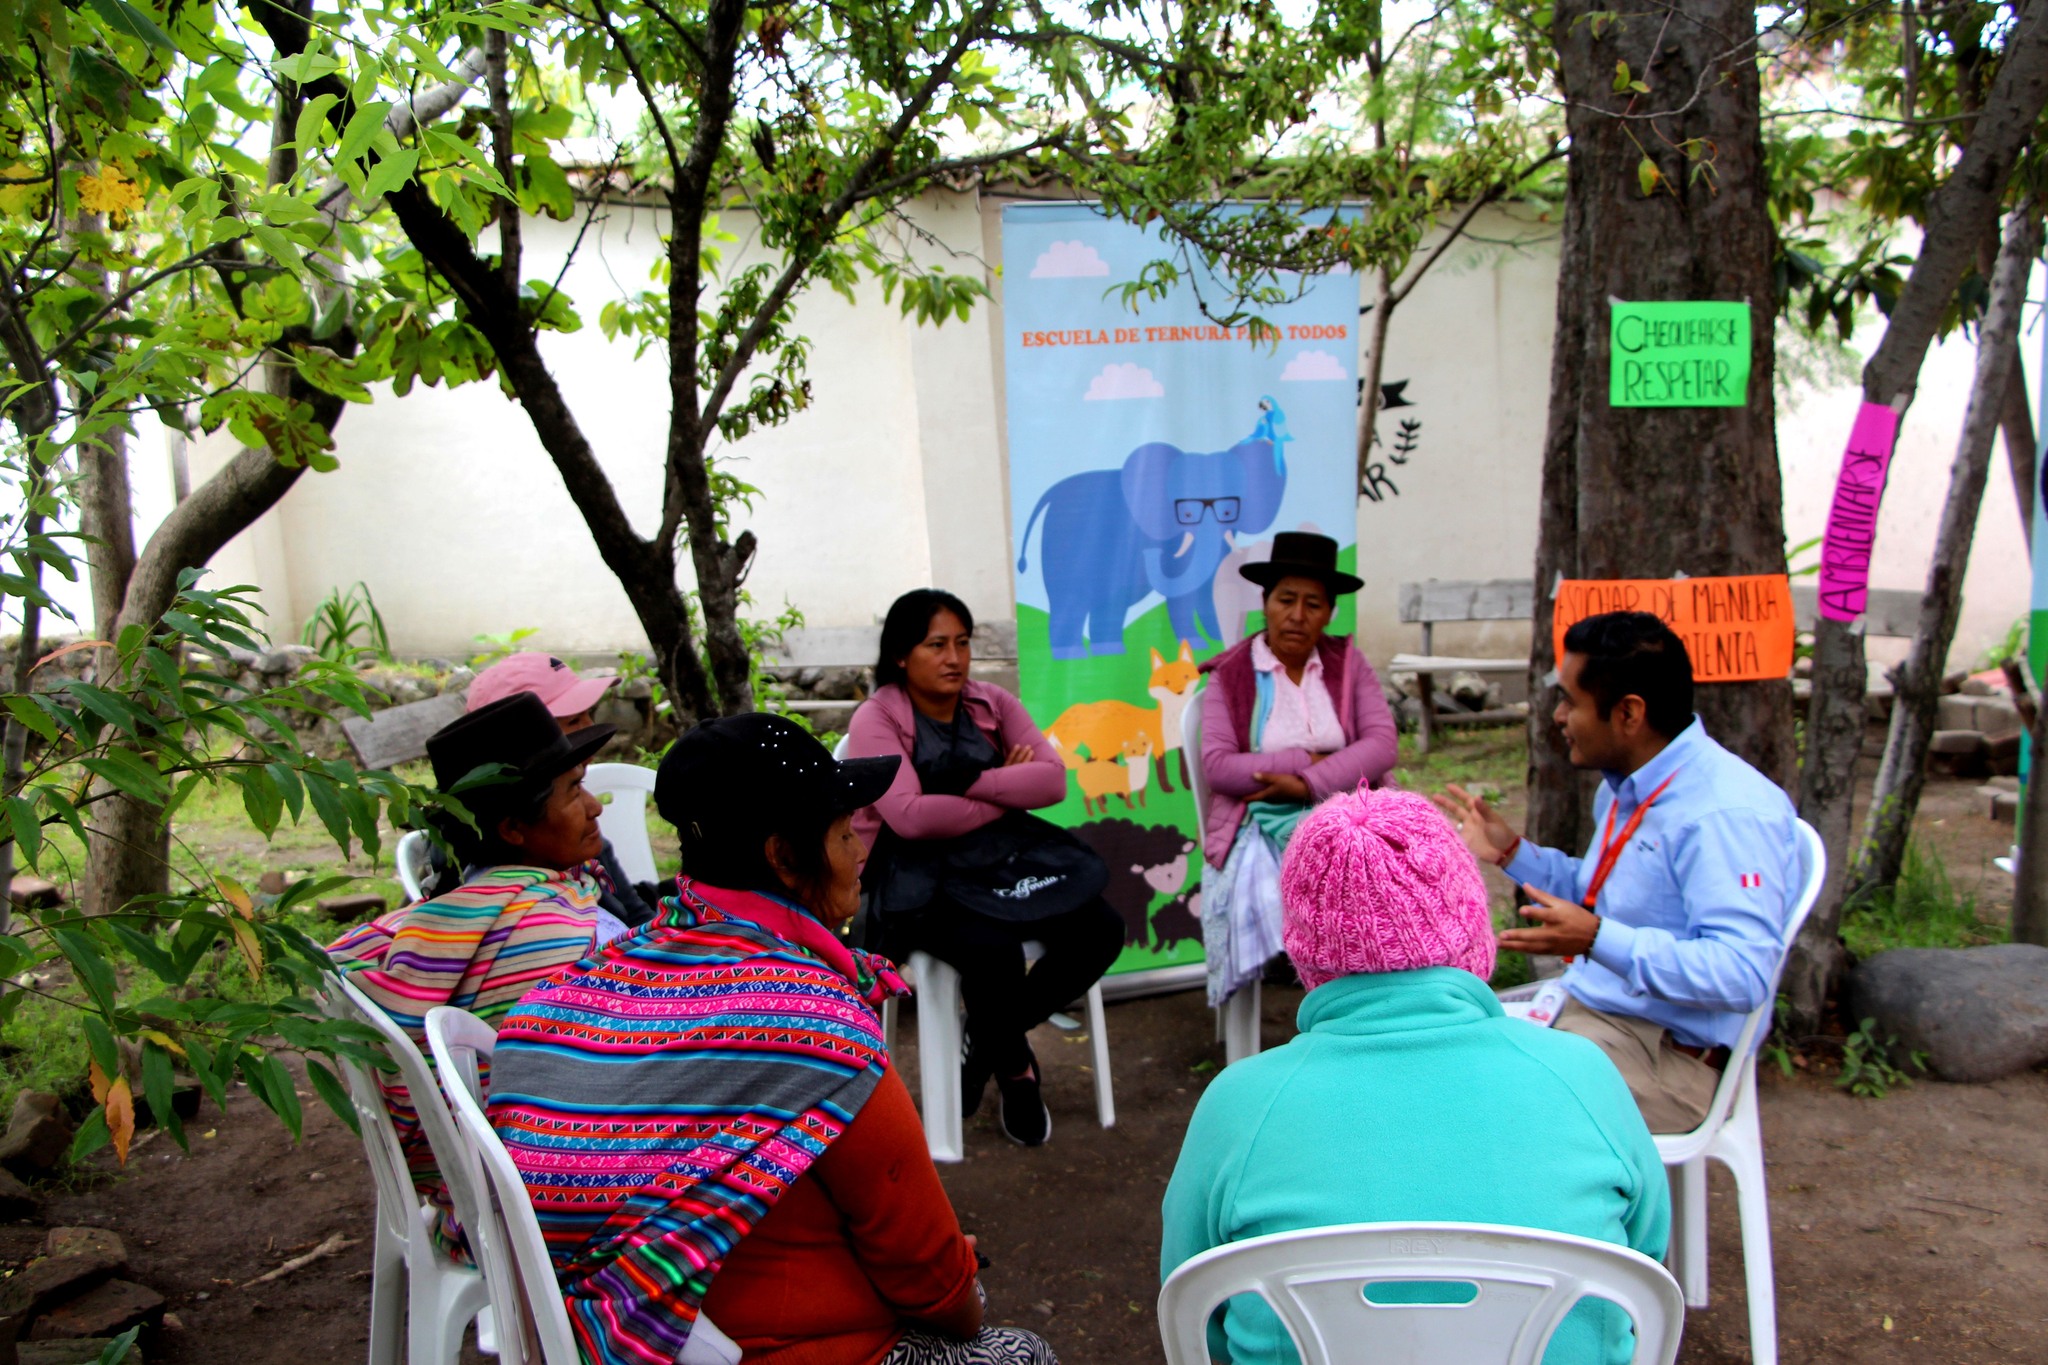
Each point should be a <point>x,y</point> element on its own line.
<point>1732,1134</point>
<point>412,857</point>
<point>1525,1281</point>
<point>624,818</point>
<point>939,1044</point>
<point>418,1296</point>
<point>514,1256</point>
<point>1237,1019</point>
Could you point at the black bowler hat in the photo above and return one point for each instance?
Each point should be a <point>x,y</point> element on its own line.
<point>737,776</point>
<point>1302,554</point>
<point>518,732</point>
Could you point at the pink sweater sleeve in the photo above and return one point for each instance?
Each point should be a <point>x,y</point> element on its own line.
<point>1230,767</point>
<point>1367,759</point>
<point>1026,786</point>
<point>905,808</point>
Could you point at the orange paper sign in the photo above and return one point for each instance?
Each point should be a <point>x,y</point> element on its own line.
<point>1736,629</point>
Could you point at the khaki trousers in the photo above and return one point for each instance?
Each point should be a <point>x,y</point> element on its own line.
<point>1674,1089</point>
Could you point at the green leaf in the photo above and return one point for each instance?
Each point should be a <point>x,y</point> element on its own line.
<point>27,828</point>
<point>96,974</point>
<point>306,66</point>
<point>306,133</point>
<point>100,1040</point>
<point>282,1098</point>
<point>281,249</point>
<point>333,1093</point>
<point>1621,77</point>
<point>207,1070</point>
<point>158,1085</point>
<point>261,798</point>
<point>1647,176</point>
<point>124,18</point>
<point>362,128</point>
<point>92,1134</point>
<point>24,710</point>
<point>392,171</point>
<point>327,802</point>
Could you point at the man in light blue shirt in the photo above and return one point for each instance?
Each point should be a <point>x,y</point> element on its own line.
<point>1676,914</point>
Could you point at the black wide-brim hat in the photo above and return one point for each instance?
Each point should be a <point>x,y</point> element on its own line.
<point>741,774</point>
<point>518,732</point>
<point>1302,554</point>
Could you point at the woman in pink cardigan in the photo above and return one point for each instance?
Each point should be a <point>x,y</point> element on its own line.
<point>958,870</point>
<point>1289,716</point>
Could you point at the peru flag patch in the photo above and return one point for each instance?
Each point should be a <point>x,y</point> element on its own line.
<point>1752,879</point>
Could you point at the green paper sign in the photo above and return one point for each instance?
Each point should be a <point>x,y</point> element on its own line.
<point>1679,355</point>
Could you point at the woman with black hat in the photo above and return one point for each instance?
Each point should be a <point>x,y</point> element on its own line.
<point>1289,716</point>
<point>527,905</point>
<point>705,1114</point>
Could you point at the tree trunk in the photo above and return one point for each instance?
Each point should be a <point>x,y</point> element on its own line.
<point>106,515</point>
<point>1903,773</point>
<point>1369,397</point>
<point>2017,425</point>
<point>13,734</point>
<point>1959,215</point>
<point>1560,796</point>
<point>2030,874</point>
<point>1656,492</point>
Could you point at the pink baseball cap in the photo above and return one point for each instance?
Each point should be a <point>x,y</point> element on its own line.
<point>554,682</point>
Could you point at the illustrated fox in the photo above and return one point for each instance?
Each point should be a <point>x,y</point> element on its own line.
<point>1123,776</point>
<point>1101,729</point>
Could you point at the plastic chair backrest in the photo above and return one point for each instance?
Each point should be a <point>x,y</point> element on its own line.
<point>343,1000</point>
<point>533,1325</point>
<point>412,858</point>
<point>1742,1059</point>
<point>624,818</point>
<point>1526,1280</point>
<point>1198,782</point>
<point>521,1276</point>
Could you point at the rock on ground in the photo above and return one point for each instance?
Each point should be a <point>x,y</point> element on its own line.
<point>1978,1013</point>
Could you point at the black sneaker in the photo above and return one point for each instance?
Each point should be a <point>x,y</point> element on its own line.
<point>1025,1118</point>
<point>974,1078</point>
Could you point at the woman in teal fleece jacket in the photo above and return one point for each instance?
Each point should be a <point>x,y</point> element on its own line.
<point>1408,1095</point>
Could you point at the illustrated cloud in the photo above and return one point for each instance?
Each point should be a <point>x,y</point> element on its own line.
<point>1068,261</point>
<point>1312,365</point>
<point>1124,381</point>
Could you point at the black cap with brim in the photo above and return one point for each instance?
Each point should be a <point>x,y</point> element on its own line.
<point>740,772</point>
<point>517,732</point>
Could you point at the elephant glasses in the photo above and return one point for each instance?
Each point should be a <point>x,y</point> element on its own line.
<point>1189,511</point>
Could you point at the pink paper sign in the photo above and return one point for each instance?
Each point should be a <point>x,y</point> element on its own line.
<point>1852,520</point>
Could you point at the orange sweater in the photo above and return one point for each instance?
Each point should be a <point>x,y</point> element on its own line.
<point>864,1246</point>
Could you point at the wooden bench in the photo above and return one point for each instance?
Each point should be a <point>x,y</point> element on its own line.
<point>1426,604</point>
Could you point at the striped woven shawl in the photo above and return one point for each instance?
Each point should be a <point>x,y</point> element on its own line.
<point>479,947</point>
<point>661,1096</point>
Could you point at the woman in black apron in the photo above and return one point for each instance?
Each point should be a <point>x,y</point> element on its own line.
<point>959,869</point>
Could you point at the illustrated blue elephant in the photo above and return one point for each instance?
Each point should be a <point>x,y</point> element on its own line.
<point>1162,523</point>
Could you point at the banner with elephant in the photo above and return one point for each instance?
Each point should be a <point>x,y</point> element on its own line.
<point>1153,452</point>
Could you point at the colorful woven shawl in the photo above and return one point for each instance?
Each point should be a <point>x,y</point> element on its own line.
<point>659,1098</point>
<point>479,948</point>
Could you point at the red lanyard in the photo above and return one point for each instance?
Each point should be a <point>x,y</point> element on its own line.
<point>1611,846</point>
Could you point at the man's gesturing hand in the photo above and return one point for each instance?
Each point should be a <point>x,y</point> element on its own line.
<point>1563,929</point>
<point>1485,833</point>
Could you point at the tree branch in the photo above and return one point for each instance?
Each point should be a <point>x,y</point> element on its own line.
<point>764,317</point>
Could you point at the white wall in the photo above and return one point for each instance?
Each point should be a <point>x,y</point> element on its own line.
<point>447,507</point>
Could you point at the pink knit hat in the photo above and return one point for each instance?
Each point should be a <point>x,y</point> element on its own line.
<point>1378,881</point>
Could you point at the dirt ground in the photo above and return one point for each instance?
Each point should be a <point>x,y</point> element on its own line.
<point>1907,1229</point>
